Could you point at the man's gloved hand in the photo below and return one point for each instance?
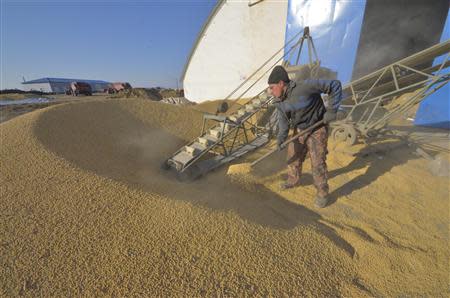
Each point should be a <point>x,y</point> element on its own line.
<point>280,146</point>
<point>329,116</point>
<point>340,115</point>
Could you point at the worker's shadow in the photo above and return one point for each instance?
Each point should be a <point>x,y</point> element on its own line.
<point>378,159</point>
<point>258,204</point>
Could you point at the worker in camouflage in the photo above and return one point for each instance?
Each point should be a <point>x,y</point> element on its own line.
<point>300,106</point>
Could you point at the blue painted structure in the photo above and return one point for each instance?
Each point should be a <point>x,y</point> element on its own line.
<point>62,80</point>
<point>59,85</point>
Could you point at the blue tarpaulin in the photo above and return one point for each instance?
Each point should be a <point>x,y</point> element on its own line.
<point>335,27</point>
<point>434,110</point>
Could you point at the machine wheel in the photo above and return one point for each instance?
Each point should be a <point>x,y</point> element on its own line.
<point>189,174</point>
<point>165,166</point>
<point>345,134</point>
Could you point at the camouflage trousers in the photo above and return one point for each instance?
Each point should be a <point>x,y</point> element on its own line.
<point>315,145</point>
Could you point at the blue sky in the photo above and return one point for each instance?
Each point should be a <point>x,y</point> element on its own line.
<point>143,42</point>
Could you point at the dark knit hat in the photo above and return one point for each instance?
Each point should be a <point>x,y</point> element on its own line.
<point>278,74</point>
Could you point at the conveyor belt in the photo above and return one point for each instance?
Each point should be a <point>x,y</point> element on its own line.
<point>232,136</point>
<point>417,59</point>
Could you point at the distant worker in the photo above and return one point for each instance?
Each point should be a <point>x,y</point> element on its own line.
<point>300,106</point>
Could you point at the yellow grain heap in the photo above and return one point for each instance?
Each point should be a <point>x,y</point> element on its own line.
<point>85,210</point>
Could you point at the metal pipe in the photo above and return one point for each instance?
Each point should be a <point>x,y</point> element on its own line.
<point>394,77</point>
<point>264,64</point>
<point>416,71</point>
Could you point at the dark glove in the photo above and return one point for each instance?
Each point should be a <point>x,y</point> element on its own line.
<point>280,146</point>
<point>340,115</point>
<point>329,116</point>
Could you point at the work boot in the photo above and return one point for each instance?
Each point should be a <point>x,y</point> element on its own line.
<point>321,201</point>
<point>287,185</point>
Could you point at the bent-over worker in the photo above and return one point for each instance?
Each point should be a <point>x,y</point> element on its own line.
<point>300,106</point>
